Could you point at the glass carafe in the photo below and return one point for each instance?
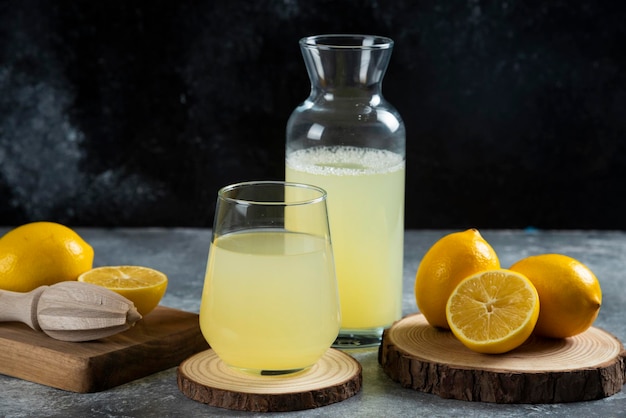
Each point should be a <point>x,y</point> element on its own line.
<point>347,139</point>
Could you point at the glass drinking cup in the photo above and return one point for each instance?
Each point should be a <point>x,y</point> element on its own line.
<point>270,302</point>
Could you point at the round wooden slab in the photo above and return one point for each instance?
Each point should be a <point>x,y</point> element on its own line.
<point>584,367</point>
<point>205,378</point>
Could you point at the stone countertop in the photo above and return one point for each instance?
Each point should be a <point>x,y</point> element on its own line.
<point>181,253</point>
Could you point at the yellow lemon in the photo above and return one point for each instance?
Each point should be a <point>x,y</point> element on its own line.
<point>143,286</point>
<point>493,311</point>
<point>42,253</point>
<point>450,260</point>
<point>570,293</point>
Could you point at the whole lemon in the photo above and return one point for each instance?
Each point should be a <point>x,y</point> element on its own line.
<point>569,293</point>
<point>42,253</point>
<point>451,259</point>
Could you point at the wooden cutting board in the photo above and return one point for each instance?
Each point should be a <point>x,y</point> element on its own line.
<point>587,366</point>
<point>162,339</point>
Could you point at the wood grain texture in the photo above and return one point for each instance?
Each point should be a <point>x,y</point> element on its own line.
<point>585,367</point>
<point>205,378</point>
<point>159,341</point>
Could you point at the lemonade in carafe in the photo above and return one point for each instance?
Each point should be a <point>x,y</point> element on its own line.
<point>346,139</point>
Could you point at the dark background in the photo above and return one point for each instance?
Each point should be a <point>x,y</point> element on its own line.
<point>131,113</point>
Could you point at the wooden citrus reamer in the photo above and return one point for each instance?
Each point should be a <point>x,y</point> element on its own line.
<point>70,311</point>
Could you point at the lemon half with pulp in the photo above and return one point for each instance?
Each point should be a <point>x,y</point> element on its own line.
<point>143,286</point>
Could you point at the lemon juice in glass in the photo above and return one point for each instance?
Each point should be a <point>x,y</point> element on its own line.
<point>347,139</point>
<point>270,303</point>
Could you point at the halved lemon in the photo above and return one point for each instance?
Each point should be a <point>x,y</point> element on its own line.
<point>493,311</point>
<point>143,286</point>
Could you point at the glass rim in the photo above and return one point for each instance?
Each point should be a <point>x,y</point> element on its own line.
<point>221,193</point>
<point>347,42</point>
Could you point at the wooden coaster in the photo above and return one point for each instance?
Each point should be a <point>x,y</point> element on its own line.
<point>584,367</point>
<point>205,378</point>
